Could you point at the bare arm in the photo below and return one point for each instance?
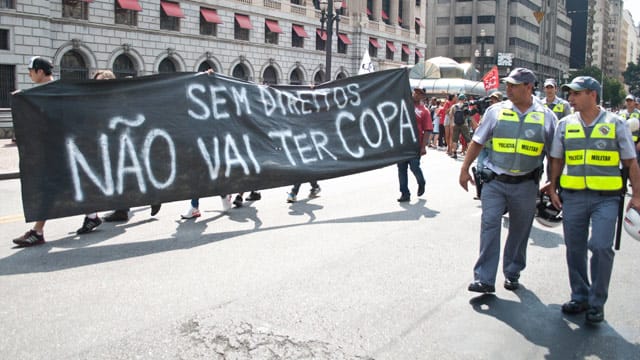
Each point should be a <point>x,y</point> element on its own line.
<point>557,164</point>
<point>472,154</point>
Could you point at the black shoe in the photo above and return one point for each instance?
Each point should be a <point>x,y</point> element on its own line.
<point>237,201</point>
<point>254,196</point>
<point>118,215</point>
<point>477,286</point>
<point>454,156</point>
<point>420,189</point>
<point>511,284</point>
<point>595,315</point>
<point>155,208</point>
<point>574,307</point>
<point>88,225</point>
<point>404,198</point>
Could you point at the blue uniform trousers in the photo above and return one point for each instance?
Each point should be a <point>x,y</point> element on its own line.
<point>579,208</point>
<point>520,202</point>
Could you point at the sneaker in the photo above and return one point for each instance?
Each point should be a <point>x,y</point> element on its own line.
<point>404,198</point>
<point>291,198</point>
<point>480,287</point>
<point>191,213</point>
<point>30,238</point>
<point>314,192</point>
<point>155,208</point>
<point>575,307</point>
<point>118,215</point>
<point>254,196</point>
<point>595,315</point>
<point>226,202</point>
<point>420,189</point>
<point>88,225</point>
<point>238,201</point>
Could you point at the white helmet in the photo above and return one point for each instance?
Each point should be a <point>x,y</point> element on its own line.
<point>547,214</point>
<point>632,223</point>
<point>633,124</point>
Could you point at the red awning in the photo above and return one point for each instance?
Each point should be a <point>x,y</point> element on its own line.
<point>345,39</point>
<point>391,46</point>
<point>299,29</point>
<point>405,49</point>
<point>130,5</point>
<point>243,21</point>
<point>322,34</point>
<point>419,22</point>
<point>384,15</point>
<point>210,16</point>
<point>171,9</point>
<point>368,12</point>
<point>273,26</point>
<point>374,42</point>
<point>344,5</point>
<point>419,53</point>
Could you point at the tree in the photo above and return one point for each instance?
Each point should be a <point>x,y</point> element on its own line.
<point>632,77</point>
<point>613,92</point>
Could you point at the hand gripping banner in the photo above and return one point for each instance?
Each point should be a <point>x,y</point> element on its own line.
<point>97,145</point>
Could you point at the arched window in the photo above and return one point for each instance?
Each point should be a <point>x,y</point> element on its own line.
<point>296,77</point>
<point>341,75</point>
<point>206,65</point>
<point>166,66</point>
<point>240,72</point>
<point>319,77</point>
<point>270,76</point>
<point>123,67</point>
<point>72,66</point>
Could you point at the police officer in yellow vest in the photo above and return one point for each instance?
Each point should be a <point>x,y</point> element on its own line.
<point>519,130</point>
<point>629,113</point>
<point>560,107</point>
<point>586,153</point>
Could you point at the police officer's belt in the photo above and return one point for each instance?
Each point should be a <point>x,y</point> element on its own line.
<point>601,193</point>
<point>515,179</point>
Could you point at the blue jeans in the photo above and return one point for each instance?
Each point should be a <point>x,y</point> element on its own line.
<point>414,165</point>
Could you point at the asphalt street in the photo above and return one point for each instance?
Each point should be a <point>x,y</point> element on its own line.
<point>352,274</point>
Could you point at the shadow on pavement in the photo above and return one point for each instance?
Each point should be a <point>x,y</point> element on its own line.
<point>566,337</point>
<point>189,234</point>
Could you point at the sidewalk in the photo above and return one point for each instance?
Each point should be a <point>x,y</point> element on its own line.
<point>9,164</point>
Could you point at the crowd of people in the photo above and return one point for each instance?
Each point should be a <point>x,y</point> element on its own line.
<point>508,139</point>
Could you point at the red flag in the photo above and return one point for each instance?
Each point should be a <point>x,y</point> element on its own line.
<point>491,79</point>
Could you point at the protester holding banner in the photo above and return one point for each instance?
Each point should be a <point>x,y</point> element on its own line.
<point>423,118</point>
<point>519,131</point>
<point>41,72</point>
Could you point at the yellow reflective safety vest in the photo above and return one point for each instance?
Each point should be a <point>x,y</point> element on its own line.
<point>518,145</point>
<point>558,109</point>
<point>626,116</point>
<point>591,162</point>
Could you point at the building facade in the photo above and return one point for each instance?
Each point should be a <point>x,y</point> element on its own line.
<point>265,41</point>
<point>511,33</point>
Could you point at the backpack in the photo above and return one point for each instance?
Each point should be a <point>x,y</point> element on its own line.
<point>458,115</point>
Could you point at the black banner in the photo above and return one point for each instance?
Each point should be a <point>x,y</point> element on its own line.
<point>103,144</point>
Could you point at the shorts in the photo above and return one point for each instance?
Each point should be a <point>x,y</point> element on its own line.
<point>447,122</point>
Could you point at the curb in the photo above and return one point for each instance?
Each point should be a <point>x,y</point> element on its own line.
<point>9,176</point>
